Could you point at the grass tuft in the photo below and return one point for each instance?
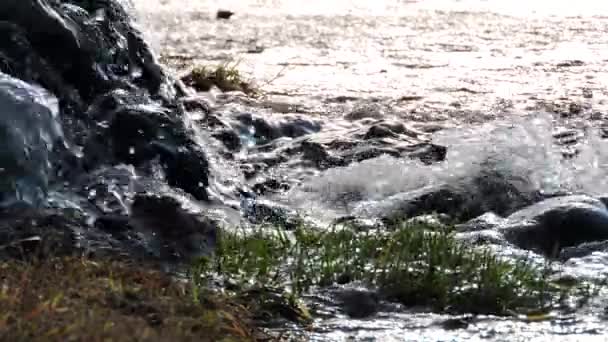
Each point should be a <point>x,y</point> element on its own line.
<point>226,77</point>
<point>416,265</point>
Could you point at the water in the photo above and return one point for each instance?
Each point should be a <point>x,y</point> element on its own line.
<point>29,128</point>
<point>514,89</point>
<point>458,60</point>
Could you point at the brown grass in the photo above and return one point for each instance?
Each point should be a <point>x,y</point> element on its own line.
<point>74,299</point>
<point>225,77</point>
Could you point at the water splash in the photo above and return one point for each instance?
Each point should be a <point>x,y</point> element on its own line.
<point>29,128</point>
<point>518,154</point>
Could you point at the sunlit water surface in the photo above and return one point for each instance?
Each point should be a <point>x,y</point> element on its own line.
<point>470,68</point>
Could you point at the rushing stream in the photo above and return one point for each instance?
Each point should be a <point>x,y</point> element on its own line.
<point>515,91</point>
<point>490,114</point>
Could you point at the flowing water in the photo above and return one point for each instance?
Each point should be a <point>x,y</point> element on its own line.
<point>366,107</point>
<point>498,80</point>
<point>515,87</point>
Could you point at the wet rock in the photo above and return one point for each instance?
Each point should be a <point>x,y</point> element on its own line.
<point>582,250</point>
<point>457,323</point>
<point>186,168</point>
<point>557,223</point>
<point>358,302</point>
<point>113,223</point>
<point>94,47</point>
<point>229,138</point>
<point>378,131</point>
<point>265,211</point>
<point>269,186</point>
<point>326,152</point>
<point>178,233</point>
<point>139,133</point>
<point>115,104</point>
<point>374,111</point>
<point>461,199</point>
<point>27,232</point>
<point>132,130</point>
<point>196,104</point>
<point>266,129</point>
<point>42,23</point>
<point>107,190</point>
<point>359,224</point>
<point>19,59</point>
<point>570,63</point>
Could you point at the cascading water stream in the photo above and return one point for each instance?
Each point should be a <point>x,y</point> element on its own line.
<point>29,128</point>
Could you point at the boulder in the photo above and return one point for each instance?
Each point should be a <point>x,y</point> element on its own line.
<point>557,223</point>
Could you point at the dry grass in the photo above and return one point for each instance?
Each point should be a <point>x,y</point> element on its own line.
<point>73,299</point>
<point>225,77</point>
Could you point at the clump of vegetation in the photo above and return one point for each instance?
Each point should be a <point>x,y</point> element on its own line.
<point>73,299</point>
<point>225,77</point>
<point>415,265</point>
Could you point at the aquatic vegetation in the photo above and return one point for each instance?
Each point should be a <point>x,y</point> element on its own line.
<point>74,299</point>
<point>415,265</point>
<point>225,76</point>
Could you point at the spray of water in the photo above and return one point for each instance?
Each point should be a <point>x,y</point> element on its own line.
<point>518,156</point>
<point>29,127</point>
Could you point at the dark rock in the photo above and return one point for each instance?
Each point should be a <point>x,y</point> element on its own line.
<point>457,323</point>
<point>224,14</point>
<point>582,250</point>
<point>559,222</point>
<point>570,63</point>
<point>196,104</point>
<point>461,199</point>
<point>264,211</point>
<point>229,138</point>
<point>117,105</point>
<point>19,59</point>
<point>358,303</point>
<point>182,235</point>
<point>378,131</point>
<point>187,169</point>
<point>27,232</point>
<point>133,129</point>
<point>270,185</point>
<point>113,223</point>
<point>265,130</point>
